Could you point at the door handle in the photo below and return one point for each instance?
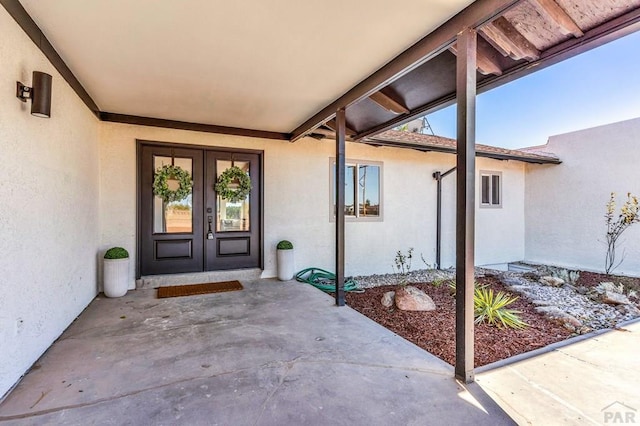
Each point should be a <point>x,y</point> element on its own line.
<point>210,232</point>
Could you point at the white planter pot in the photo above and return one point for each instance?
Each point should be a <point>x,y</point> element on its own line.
<point>286,267</point>
<point>116,277</point>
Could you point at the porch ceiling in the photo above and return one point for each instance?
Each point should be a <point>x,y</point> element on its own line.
<point>282,70</point>
<point>245,64</point>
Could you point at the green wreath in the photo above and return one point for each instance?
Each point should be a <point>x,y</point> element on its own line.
<point>161,183</point>
<point>233,174</point>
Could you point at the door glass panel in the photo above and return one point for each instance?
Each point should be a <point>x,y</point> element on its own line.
<point>176,216</point>
<point>232,216</point>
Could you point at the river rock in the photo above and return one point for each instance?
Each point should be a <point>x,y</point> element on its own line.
<point>409,298</point>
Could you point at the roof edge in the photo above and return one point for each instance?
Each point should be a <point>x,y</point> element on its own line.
<point>481,150</point>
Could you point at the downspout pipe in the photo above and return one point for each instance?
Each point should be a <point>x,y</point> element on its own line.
<point>438,176</point>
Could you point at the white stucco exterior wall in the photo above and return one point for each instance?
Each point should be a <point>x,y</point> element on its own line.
<point>297,197</point>
<point>499,231</point>
<point>49,211</point>
<point>565,204</point>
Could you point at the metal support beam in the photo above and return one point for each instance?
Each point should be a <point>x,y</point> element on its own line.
<point>465,202</point>
<point>341,125</point>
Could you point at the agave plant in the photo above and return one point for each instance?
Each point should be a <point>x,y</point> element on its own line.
<point>492,308</point>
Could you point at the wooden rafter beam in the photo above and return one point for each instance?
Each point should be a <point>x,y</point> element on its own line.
<point>487,64</point>
<point>475,15</point>
<point>325,132</point>
<point>558,15</point>
<point>389,103</point>
<point>333,126</point>
<point>507,39</point>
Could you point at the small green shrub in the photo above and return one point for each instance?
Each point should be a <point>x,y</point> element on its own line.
<point>491,308</point>
<point>285,245</point>
<point>629,214</point>
<point>116,253</point>
<point>403,265</point>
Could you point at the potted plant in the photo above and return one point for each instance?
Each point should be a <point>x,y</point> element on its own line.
<point>116,272</point>
<point>285,260</point>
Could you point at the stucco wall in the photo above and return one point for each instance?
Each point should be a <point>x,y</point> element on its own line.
<point>296,202</point>
<point>565,204</point>
<point>49,210</point>
<point>499,231</point>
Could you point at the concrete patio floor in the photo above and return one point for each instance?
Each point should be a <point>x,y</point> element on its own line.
<point>594,381</point>
<point>272,354</point>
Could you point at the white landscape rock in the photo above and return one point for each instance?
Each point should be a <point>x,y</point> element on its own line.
<point>409,298</point>
<point>613,298</point>
<point>387,299</point>
<point>552,281</point>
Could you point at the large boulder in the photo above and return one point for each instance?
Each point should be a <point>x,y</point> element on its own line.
<point>409,298</point>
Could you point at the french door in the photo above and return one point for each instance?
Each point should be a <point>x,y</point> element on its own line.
<point>233,228</point>
<point>201,232</point>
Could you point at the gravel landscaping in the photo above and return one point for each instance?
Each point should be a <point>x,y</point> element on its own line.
<point>556,303</point>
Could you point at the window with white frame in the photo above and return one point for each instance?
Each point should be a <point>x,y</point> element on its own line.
<point>363,190</point>
<point>490,189</point>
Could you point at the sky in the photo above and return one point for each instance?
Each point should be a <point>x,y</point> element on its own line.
<point>598,87</point>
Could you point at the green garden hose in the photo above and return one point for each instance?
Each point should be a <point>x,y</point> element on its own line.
<point>325,280</point>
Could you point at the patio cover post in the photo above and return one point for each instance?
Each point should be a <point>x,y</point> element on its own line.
<point>465,202</point>
<point>341,127</point>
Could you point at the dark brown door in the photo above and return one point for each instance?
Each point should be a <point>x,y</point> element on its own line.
<point>174,237</point>
<point>234,241</point>
<point>171,234</point>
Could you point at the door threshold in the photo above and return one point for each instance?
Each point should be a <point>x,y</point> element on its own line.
<point>154,281</point>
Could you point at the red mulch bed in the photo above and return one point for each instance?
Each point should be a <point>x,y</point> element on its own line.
<point>435,331</point>
<point>592,279</point>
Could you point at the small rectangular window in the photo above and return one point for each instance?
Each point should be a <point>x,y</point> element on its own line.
<point>362,190</point>
<point>495,189</point>
<point>490,189</point>
<point>485,189</point>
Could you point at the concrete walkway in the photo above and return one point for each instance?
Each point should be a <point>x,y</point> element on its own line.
<point>595,381</point>
<point>272,354</point>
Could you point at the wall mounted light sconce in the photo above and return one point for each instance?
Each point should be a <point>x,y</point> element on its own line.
<point>39,93</point>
